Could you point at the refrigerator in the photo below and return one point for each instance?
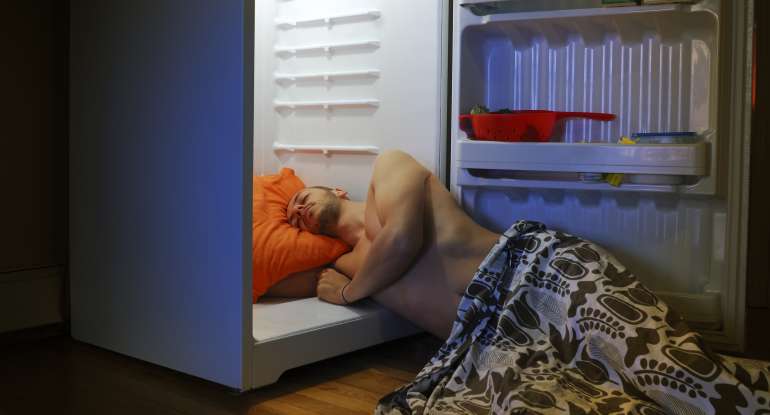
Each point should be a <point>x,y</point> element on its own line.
<point>338,82</point>
<point>177,104</point>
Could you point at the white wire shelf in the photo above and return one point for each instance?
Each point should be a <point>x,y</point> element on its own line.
<point>327,104</point>
<point>327,47</point>
<point>325,149</point>
<point>287,23</point>
<point>326,76</point>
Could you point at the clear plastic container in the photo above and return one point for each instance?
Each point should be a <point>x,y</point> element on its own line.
<point>668,137</point>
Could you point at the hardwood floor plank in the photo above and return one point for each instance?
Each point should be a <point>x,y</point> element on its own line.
<point>372,380</point>
<point>334,395</point>
<point>276,407</point>
<point>317,406</point>
<point>349,391</point>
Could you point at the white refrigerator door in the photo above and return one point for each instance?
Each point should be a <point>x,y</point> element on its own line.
<point>159,182</point>
<point>338,82</point>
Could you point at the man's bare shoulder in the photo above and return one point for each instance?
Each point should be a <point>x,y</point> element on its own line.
<point>390,157</point>
<point>396,165</point>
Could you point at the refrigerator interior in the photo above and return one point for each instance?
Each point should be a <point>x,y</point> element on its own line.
<point>675,222</point>
<point>335,84</point>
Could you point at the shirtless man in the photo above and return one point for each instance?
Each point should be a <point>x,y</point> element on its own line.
<point>414,249</point>
<point>550,319</point>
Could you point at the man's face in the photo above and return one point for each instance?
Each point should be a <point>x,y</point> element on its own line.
<point>313,210</point>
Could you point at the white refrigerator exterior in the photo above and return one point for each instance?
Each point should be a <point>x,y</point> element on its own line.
<point>161,154</point>
<point>160,186</point>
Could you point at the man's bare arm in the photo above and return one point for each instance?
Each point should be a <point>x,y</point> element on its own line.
<point>299,284</point>
<point>398,186</point>
<point>347,264</point>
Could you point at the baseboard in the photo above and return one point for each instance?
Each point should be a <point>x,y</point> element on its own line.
<point>31,298</point>
<point>33,334</point>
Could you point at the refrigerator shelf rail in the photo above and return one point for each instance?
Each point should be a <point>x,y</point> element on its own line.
<point>326,76</point>
<point>288,23</point>
<point>325,149</point>
<point>327,48</point>
<point>327,105</point>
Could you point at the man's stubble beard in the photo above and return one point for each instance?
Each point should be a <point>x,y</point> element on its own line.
<point>328,217</point>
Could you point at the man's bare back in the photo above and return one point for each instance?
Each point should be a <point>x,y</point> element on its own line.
<point>430,283</point>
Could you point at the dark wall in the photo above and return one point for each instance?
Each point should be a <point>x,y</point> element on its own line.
<point>758,280</point>
<point>33,134</point>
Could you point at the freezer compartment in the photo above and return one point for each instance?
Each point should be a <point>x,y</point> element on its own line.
<point>655,67</point>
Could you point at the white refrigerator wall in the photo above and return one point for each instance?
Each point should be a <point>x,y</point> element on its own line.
<point>339,81</point>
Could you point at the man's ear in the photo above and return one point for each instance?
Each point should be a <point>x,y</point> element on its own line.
<point>340,193</point>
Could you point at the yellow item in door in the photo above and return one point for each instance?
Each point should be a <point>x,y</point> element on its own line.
<point>615,179</point>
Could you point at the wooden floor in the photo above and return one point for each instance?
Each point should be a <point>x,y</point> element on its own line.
<point>62,376</point>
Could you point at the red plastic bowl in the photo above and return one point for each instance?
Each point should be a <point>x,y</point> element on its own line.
<point>524,125</point>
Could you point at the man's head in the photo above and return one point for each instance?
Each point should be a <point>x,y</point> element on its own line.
<point>316,209</point>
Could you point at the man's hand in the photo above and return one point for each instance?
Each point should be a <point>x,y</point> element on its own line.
<point>330,285</point>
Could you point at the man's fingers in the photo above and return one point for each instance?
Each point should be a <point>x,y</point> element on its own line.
<point>322,273</point>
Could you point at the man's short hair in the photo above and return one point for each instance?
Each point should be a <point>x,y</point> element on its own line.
<point>329,189</point>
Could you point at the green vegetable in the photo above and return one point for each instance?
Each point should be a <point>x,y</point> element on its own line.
<point>479,109</point>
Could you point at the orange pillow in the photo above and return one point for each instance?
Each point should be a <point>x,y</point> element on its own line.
<point>279,249</point>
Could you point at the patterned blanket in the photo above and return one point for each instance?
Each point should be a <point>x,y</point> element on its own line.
<point>552,323</point>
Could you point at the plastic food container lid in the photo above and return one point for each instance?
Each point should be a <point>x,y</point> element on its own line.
<point>667,137</point>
